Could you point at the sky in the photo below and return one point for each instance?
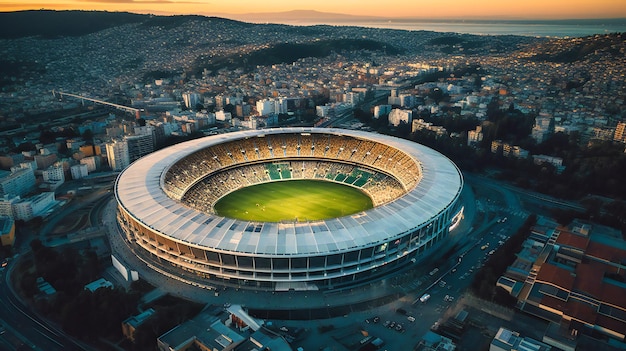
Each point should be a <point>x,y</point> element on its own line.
<point>458,9</point>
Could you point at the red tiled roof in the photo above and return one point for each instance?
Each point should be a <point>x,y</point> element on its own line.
<point>580,311</point>
<point>611,324</point>
<point>609,253</point>
<point>589,278</point>
<point>614,295</point>
<point>573,240</point>
<point>558,276</point>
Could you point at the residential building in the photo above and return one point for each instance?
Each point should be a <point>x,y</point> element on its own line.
<point>475,136</point>
<point>45,160</point>
<point>29,208</point>
<point>8,161</point>
<point>544,128</point>
<point>381,110</point>
<point>92,163</point>
<point>138,146</point>
<point>54,173</point>
<point>6,205</point>
<point>7,231</point>
<point>79,171</point>
<point>397,116</point>
<point>19,182</point>
<point>507,340</point>
<point>117,154</point>
<point>223,116</point>
<point>620,132</point>
<point>206,331</point>
<point>98,284</point>
<point>130,325</point>
<point>577,281</point>
<point>191,100</point>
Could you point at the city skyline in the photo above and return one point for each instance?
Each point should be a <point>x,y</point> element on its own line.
<point>454,9</point>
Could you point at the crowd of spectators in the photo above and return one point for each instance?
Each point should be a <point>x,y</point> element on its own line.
<point>203,177</point>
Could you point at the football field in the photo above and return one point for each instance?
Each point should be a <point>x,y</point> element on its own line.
<point>293,200</point>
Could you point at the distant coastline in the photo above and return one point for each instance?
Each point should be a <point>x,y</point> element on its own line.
<point>558,29</point>
<point>536,28</point>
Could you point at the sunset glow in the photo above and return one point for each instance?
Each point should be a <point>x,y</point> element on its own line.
<point>483,9</point>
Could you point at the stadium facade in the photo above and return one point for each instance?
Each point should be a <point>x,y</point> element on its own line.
<point>165,204</point>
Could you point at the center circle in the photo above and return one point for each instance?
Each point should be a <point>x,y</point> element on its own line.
<point>293,200</point>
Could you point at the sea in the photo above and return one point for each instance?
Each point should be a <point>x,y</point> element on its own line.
<point>547,28</point>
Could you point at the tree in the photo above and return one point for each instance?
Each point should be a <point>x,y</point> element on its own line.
<point>88,136</point>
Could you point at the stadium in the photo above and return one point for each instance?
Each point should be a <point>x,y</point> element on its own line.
<point>166,206</point>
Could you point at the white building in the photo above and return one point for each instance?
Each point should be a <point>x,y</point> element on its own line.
<point>27,209</point>
<point>396,116</point>
<point>117,154</point>
<point>79,171</point>
<point>322,111</point>
<point>19,182</point>
<point>54,173</point>
<point>507,340</point>
<point>6,205</point>
<point>92,163</point>
<point>223,116</point>
<point>544,127</point>
<point>381,110</point>
<point>271,106</point>
<point>191,100</point>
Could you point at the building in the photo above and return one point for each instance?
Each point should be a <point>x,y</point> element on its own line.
<point>54,173</point>
<point>6,205</point>
<point>90,150</point>
<point>8,161</point>
<point>420,124</point>
<point>397,116</point>
<point>117,154</point>
<point>223,116</point>
<point>475,136</point>
<point>191,100</point>
<point>620,132</point>
<point>206,331</point>
<point>79,171</point>
<point>92,163</point>
<point>19,182</point>
<point>7,231</point>
<point>130,325</point>
<point>434,342</point>
<point>139,146</point>
<point>173,220</point>
<point>98,284</point>
<point>577,281</point>
<point>45,160</point>
<point>29,208</point>
<point>381,110</point>
<point>543,129</point>
<point>507,340</point>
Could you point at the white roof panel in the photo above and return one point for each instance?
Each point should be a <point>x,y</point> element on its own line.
<point>139,191</point>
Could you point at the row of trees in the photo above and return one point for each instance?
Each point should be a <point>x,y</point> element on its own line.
<point>484,283</point>
<point>82,313</point>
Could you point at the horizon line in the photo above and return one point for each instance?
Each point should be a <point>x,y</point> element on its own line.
<point>322,13</point>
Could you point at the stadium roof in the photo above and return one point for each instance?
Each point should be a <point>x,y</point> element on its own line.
<point>138,190</point>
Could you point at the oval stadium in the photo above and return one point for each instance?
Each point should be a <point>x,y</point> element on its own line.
<point>166,206</point>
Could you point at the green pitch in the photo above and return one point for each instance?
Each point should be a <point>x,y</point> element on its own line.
<point>294,200</point>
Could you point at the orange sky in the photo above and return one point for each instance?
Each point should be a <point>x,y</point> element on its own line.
<point>526,9</point>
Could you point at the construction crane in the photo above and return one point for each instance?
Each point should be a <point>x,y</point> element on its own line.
<point>132,110</point>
